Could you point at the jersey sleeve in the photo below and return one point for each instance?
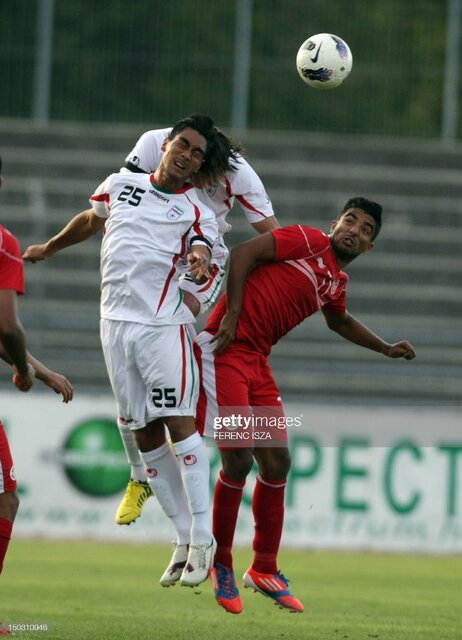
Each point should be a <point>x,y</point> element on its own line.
<point>11,264</point>
<point>297,242</point>
<point>338,306</point>
<point>245,185</point>
<point>147,152</point>
<point>101,199</point>
<point>205,229</point>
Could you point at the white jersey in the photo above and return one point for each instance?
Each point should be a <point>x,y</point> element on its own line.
<point>242,184</point>
<point>147,236</point>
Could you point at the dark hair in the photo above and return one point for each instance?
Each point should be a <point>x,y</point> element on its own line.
<point>368,206</point>
<point>221,155</point>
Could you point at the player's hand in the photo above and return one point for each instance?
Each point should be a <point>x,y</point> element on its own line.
<point>199,263</point>
<point>59,384</point>
<point>225,335</point>
<point>23,381</point>
<point>403,349</point>
<point>36,252</point>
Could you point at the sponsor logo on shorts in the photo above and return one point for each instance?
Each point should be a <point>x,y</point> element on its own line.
<point>190,459</point>
<point>151,473</point>
<point>12,474</point>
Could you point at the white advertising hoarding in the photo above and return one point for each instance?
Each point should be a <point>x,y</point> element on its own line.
<point>362,477</point>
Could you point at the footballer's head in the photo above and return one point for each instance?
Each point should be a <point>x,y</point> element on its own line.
<point>354,230</point>
<point>221,154</point>
<point>373,209</point>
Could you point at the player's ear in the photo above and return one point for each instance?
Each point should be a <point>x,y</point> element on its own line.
<point>164,144</point>
<point>333,224</point>
<point>369,247</point>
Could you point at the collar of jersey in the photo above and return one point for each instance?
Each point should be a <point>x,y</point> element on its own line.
<point>162,190</point>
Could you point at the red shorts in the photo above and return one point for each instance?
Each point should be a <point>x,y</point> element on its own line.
<point>239,402</point>
<point>7,478</point>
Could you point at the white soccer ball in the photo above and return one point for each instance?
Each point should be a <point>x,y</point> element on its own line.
<point>324,61</point>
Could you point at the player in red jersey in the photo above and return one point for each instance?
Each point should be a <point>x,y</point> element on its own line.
<point>275,281</point>
<point>25,367</point>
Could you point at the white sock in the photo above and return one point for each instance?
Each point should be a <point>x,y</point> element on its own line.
<point>195,471</point>
<point>165,480</point>
<point>138,471</point>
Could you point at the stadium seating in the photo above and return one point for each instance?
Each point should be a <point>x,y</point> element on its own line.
<point>409,287</point>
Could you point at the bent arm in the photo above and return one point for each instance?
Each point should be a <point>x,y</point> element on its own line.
<point>243,260</point>
<point>12,336</point>
<point>12,340</point>
<point>355,331</point>
<point>79,229</point>
<point>199,258</point>
<point>266,225</point>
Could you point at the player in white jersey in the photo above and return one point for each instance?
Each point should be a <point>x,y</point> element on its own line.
<point>242,184</point>
<point>152,221</point>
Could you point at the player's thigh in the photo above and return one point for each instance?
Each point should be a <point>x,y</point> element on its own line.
<point>269,421</point>
<point>126,382</point>
<point>224,386</point>
<point>168,368</point>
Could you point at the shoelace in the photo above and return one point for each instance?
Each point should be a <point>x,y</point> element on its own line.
<point>225,579</point>
<point>284,579</point>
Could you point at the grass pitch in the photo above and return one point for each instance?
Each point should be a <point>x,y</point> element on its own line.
<point>105,591</point>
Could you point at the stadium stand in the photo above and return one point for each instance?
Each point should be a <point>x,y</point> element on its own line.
<point>409,287</point>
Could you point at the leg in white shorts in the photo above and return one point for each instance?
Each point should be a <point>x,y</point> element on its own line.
<point>152,370</point>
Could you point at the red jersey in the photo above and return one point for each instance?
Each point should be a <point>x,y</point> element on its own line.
<point>11,265</point>
<point>279,295</point>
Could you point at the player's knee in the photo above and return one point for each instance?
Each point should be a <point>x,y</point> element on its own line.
<point>236,463</point>
<point>9,505</point>
<point>275,464</point>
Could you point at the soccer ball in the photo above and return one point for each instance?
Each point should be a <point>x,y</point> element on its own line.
<point>324,61</point>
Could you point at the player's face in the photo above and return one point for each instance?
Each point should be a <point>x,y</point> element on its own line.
<point>352,233</point>
<point>184,155</point>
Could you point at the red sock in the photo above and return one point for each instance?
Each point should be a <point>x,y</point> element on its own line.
<point>226,503</point>
<point>268,513</point>
<point>6,526</point>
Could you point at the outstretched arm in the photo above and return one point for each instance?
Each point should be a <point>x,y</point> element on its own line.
<point>353,330</point>
<point>79,229</point>
<point>243,260</point>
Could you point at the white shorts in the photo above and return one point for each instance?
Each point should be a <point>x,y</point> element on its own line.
<point>152,370</point>
<point>205,293</point>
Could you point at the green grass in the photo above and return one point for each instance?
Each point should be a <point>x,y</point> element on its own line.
<point>106,591</point>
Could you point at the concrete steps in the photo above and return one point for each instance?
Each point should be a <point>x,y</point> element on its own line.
<point>409,287</point>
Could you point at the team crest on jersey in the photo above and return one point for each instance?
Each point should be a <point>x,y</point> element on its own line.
<point>211,190</point>
<point>174,213</point>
